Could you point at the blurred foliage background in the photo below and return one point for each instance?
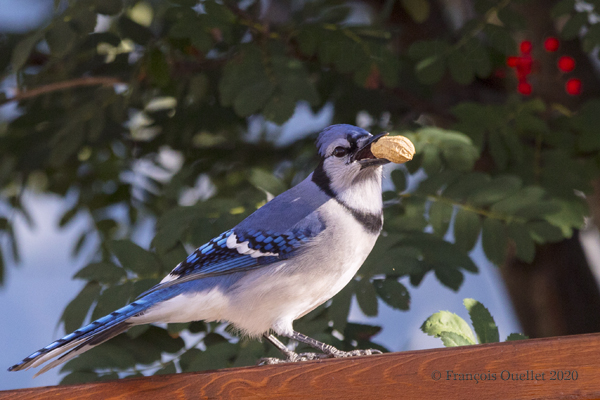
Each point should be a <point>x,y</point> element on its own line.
<point>169,111</point>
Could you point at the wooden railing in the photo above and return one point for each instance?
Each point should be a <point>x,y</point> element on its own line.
<point>553,368</point>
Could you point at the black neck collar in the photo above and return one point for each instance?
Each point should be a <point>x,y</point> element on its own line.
<point>372,223</point>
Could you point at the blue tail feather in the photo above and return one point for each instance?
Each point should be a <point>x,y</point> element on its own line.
<point>97,331</point>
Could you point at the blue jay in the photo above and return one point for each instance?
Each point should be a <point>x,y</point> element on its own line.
<point>284,260</point>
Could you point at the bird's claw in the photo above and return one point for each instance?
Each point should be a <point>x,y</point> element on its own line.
<point>294,357</point>
<point>298,357</point>
<point>355,353</point>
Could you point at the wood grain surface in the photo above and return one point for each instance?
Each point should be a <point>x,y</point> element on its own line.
<point>530,369</point>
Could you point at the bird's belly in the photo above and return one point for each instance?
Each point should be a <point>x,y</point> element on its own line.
<point>273,296</point>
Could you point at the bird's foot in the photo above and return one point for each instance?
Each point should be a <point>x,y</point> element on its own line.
<point>298,357</point>
<point>353,353</point>
<point>293,357</point>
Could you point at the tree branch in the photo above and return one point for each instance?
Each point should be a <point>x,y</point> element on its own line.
<point>53,87</point>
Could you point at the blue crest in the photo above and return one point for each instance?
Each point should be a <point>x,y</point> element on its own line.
<point>342,131</point>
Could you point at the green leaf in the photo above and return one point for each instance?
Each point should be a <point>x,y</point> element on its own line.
<point>188,358</point>
<point>445,321</point>
<point>464,186</point>
<point>461,67</point>
<point>501,39</point>
<point>417,9</point>
<point>495,190</point>
<point>86,376</point>
<point>452,339</point>
<point>279,109</point>
<point>78,308</point>
<point>524,245</point>
<point>431,159</point>
<point>340,307</point>
<point>79,244</point>
<point>573,26</point>
<point>240,72</point>
<point>430,70</point>
<point>512,20</point>
<point>266,181</point>
<point>79,377</point>
<point>360,331</point>
<point>253,98</point>
<point>483,322</point>
<point>525,197</point>
<point>214,357</point>
<point>571,215</point>
<point>467,226</point>
<point>516,336</point>
<point>498,150</point>
<point>22,50</point>
<point>440,214</point>
<point>135,259</point>
<point>479,57</point>
<point>137,330</point>
<point>543,232</point>
<point>177,327</point>
<point>449,277</point>
<point>390,258</point>
<point>494,240</point>
<point>103,272</point>
<point>392,293</point>
<point>435,183</point>
<point>106,356</point>
<point>563,7</point>
<point>158,68</point>
<point>60,39</point>
<point>168,368</point>
<point>68,216</point>
<point>410,216</point>
<point>219,12</point>
<point>366,297</point>
<point>426,48</point>
<point>399,179</point>
<point>161,339</point>
<point>134,31</point>
<point>142,285</point>
<point>437,252</point>
<point>308,39</point>
<point>112,299</point>
<point>108,7</point>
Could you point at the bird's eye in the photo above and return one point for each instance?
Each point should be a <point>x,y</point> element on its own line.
<point>340,151</point>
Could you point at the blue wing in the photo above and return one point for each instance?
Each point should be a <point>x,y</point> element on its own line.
<point>237,250</point>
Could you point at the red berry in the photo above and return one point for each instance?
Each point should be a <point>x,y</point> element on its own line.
<point>551,44</point>
<point>524,66</point>
<point>524,88</point>
<point>526,46</point>
<point>512,61</point>
<point>566,64</point>
<point>573,87</point>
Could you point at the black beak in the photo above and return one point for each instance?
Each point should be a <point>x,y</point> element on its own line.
<point>364,156</point>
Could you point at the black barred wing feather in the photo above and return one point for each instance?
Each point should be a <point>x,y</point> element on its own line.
<point>234,251</point>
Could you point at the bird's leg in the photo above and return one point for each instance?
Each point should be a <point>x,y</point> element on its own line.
<point>329,349</point>
<point>290,356</point>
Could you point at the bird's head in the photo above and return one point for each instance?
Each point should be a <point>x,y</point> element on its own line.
<point>346,159</point>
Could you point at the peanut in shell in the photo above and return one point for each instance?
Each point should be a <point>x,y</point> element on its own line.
<point>397,149</point>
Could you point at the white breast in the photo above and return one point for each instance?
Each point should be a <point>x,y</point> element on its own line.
<point>272,297</point>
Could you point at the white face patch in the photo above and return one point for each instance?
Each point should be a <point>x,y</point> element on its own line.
<point>354,186</point>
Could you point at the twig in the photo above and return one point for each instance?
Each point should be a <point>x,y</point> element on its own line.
<point>53,87</point>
